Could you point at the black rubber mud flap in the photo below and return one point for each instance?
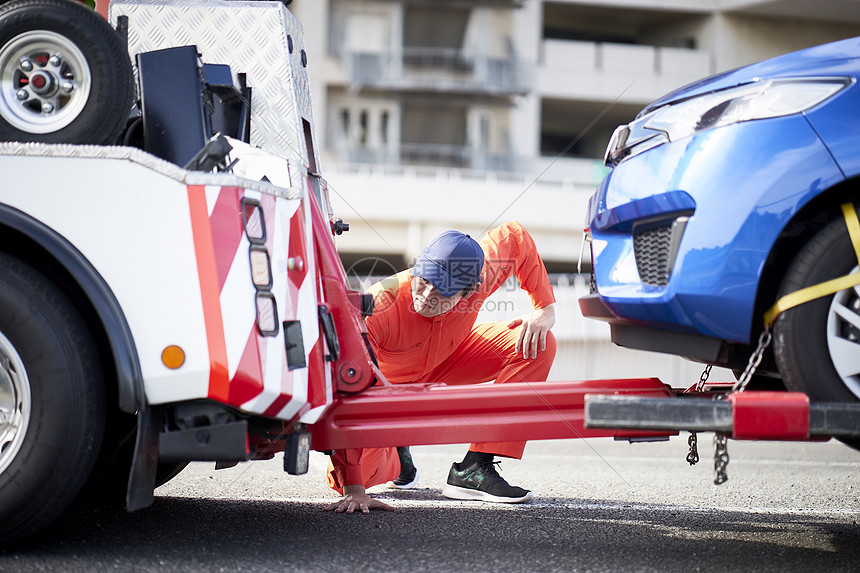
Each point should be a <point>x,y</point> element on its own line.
<point>144,465</point>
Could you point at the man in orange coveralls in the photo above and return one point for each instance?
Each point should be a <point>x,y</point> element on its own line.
<point>423,330</point>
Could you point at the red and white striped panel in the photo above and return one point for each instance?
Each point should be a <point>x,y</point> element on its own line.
<point>249,370</point>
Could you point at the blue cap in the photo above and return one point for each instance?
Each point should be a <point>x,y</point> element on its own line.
<point>451,262</point>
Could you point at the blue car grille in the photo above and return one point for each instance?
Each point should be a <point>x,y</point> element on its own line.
<point>652,249</point>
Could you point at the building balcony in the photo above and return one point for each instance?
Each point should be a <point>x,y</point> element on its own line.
<point>600,71</point>
<point>398,209</point>
<point>432,155</point>
<point>436,69</point>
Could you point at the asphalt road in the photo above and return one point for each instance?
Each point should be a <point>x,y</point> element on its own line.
<point>599,506</point>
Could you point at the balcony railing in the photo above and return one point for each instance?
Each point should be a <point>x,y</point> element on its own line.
<point>437,70</point>
<point>437,155</point>
<point>603,70</point>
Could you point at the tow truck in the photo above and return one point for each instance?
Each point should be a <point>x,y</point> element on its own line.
<point>170,286</point>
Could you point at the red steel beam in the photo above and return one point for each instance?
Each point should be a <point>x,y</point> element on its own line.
<point>420,414</point>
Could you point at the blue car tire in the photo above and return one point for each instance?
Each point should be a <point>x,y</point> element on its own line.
<point>817,344</point>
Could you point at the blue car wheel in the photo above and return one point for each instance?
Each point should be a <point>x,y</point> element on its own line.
<point>817,344</point>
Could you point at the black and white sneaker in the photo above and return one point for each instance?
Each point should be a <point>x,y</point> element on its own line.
<point>482,482</point>
<point>409,474</point>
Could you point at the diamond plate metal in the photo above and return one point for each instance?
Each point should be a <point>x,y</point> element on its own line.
<point>249,36</point>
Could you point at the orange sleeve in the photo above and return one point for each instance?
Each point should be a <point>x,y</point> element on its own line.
<point>367,467</point>
<point>346,464</point>
<point>384,295</point>
<point>347,468</point>
<point>510,250</point>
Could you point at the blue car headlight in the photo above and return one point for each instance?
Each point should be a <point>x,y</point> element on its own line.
<point>756,100</point>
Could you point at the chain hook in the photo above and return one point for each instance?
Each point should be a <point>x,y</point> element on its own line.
<point>693,454</point>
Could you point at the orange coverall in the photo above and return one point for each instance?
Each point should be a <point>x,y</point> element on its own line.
<point>451,348</point>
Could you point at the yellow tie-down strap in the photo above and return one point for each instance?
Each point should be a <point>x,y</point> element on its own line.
<point>828,287</point>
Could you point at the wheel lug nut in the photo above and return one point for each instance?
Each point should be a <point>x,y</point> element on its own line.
<point>27,65</point>
<point>68,87</point>
<point>47,107</point>
<point>55,61</point>
<point>22,94</point>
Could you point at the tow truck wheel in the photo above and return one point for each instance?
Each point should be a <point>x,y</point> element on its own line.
<point>65,74</point>
<point>52,406</point>
<point>817,344</point>
<point>109,480</point>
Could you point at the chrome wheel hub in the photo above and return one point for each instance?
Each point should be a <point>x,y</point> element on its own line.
<point>843,335</point>
<point>15,402</point>
<point>45,82</point>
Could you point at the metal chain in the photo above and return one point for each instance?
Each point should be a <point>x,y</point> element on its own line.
<point>700,385</point>
<point>721,449</point>
<point>721,458</point>
<point>763,342</point>
<point>693,454</point>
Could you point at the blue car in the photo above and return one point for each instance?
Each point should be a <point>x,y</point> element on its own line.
<point>723,197</point>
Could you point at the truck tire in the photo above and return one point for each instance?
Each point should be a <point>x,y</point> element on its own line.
<point>817,344</point>
<point>167,471</point>
<point>65,74</point>
<point>52,405</point>
<point>108,483</point>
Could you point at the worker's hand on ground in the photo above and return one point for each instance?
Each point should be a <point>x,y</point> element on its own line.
<point>533,329</point>
<point>354,497</point>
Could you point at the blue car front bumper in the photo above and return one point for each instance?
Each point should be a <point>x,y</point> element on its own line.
<point>681,232</point>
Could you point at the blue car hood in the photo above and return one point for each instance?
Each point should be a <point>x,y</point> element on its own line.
<point>810,60</point>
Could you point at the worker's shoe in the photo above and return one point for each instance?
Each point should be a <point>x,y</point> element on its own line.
<point>481,481</point>
<point>409,474</point>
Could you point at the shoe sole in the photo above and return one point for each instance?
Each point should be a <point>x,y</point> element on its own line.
<point>455,492</point>
<point>410,485</point>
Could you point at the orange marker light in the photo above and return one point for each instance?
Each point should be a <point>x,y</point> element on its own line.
<point>173,357</point>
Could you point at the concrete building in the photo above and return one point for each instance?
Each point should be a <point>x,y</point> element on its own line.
<point>465,114</point>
